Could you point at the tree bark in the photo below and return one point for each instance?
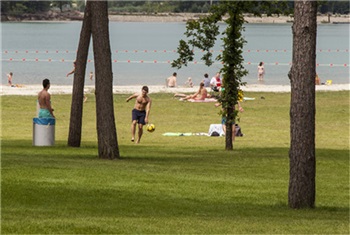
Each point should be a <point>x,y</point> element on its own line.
<point>106,128</point>
<point>76,115</point>
<point>302,111</point>
<point>228,137</point>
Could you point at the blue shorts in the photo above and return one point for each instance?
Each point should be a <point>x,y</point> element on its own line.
<point>223,121</point>
<point>139,116</point>
<point>44,113</point>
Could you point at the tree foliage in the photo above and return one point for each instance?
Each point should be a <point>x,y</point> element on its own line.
<point>27,6</point>
<point>203,33</point>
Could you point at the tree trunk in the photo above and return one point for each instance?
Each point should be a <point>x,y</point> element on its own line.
<point>106,129</point>
<point>228,134</point>
<point>76,114</point>
<point>302,111</point>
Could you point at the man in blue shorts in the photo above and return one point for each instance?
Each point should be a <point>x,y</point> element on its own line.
<point>44,99</point>
<point>223,121</point>
<point>140,113</point>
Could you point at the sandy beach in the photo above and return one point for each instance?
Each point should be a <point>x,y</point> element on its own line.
<point>249,18</point>
<point>32,90</point>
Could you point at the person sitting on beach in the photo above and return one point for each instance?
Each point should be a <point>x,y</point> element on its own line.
<point>317,80</point>
<point>215,82</point>
<point>44,100</point>
<point>189,82</point>
<point>201,94</point>
<point>206,80</point>
<point>171,81</point>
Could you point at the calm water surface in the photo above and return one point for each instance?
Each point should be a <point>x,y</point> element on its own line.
<point>141,52</point>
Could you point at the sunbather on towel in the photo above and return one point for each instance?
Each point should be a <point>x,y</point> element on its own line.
<point>201,94</point>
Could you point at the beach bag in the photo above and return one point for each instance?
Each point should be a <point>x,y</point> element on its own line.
<point>238,130</point>
<point>216,89</point>
<point>214,133</point>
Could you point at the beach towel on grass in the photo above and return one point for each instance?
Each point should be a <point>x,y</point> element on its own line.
<point>203,101</point>
<point>185,134</point>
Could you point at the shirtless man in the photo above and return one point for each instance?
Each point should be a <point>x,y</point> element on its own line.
<point>201,94</point>
<point>171,81</point>
<point>140,113</point>
<point>46,111</point>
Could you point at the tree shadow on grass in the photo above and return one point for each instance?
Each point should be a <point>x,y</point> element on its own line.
<point>85,203</point>
<point>157,183</point>
<point>156,152</point>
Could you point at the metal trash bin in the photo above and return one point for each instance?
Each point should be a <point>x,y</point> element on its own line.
<point>44,131</point>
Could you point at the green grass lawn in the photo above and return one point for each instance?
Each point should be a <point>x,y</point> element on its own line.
<point>172,184</point>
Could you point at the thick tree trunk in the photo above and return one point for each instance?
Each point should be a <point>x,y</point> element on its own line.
<point>106,129</point>
<point>76,114</point>
<point>302,111</point>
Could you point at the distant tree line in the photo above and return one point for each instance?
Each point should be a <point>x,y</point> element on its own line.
<point>335,7</point>
<point>150,7</point>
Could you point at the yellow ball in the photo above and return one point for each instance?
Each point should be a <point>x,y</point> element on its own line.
<point>151,127</point>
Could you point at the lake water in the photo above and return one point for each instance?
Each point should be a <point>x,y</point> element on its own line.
<point>142,52</point>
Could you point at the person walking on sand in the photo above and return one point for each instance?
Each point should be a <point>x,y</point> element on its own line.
<point>140,113</point>
<point>171,81</point>
<point>261,71</point>
<point>44,100</point>
<point>72,72</point>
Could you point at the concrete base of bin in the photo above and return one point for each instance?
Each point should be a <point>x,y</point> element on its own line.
<point>43,131</point>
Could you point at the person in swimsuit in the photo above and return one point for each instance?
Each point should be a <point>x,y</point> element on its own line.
<point>140,113</point>
<point>9,79</point>
<point>261,71</point>
<point>201,94</point>
<point>73,71</point>
<point>46,111</point>
<point>171,81</point>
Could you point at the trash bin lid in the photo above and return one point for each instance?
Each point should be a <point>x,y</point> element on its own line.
<point>44,121</point>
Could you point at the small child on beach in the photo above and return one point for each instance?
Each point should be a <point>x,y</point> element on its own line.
<point>189,82</point>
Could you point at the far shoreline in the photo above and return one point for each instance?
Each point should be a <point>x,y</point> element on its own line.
<point>168,18</point>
